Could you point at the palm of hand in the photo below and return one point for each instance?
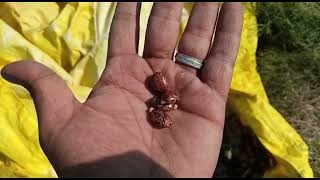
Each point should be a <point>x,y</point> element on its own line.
<point>113,120</point>
<point>116,112</point>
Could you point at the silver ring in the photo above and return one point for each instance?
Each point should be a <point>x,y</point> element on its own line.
<point>190,61</point>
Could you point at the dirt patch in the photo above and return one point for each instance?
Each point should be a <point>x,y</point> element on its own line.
<point>242,154</point>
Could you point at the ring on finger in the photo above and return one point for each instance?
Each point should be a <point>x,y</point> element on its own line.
<point>188,60</point>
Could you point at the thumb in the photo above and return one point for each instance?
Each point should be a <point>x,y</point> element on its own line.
<point>54,102</point>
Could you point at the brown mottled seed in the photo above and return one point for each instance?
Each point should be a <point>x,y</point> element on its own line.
<point>169,98</point>
<point>151,109</point>
<point>159,83</point>
<point>155,101</point>
<point>160,118</point>
<point>166,107</point>
<point>163,102</point>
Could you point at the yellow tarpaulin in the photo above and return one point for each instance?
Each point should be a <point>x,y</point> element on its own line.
<point>71,39</point>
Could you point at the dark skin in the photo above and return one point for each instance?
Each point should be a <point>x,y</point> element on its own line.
<point>113,120</point>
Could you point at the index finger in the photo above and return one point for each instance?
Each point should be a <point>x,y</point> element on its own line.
<point>162,30</point>
<point>218,67</point>
<point>124,29</point>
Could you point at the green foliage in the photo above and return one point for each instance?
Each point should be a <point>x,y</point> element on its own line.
<point>291,26</point>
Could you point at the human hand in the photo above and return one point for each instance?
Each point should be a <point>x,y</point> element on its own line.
<point>109,134</point>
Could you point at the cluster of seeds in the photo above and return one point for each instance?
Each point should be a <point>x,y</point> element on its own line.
<point>164,101</point>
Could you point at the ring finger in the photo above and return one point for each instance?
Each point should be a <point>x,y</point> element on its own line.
<point>196,39</point>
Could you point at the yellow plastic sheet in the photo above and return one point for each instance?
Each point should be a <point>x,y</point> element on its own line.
<point>71,39</point>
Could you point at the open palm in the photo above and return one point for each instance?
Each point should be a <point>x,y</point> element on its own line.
<point>110,134</point>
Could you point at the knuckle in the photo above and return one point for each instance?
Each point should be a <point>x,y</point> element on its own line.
<point>196,52</point>
<point>126,16</point>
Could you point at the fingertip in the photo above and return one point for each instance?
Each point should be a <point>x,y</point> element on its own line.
<point>3,72</point>
<point>20,71</point>
<point>6,72</point>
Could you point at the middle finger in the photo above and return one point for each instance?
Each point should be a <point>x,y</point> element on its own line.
<point>196,39</point>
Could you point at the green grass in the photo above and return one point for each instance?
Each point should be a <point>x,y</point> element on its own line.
<point>288,59</point>
<point>289,26</point>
